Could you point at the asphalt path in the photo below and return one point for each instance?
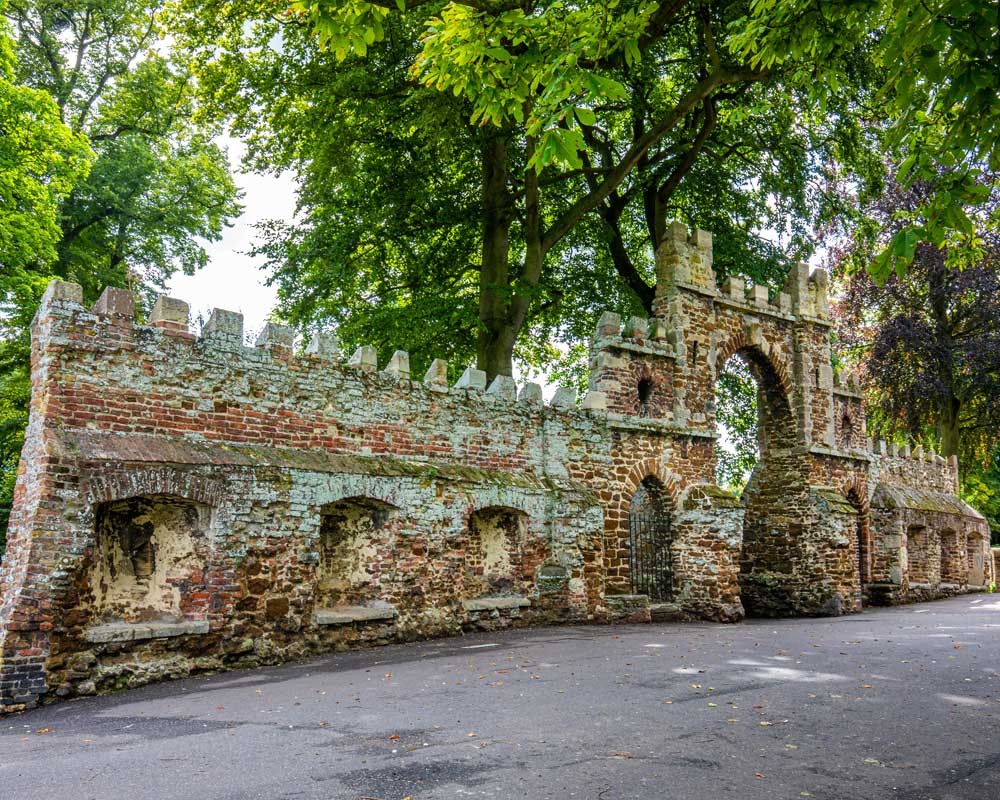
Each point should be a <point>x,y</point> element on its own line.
<point>893,703</point>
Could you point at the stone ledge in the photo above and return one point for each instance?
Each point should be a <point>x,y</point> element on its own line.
<point>496,603</point>
<point>345,615</point>
<point>658,349</point>
<point>137,631</point>
<point>628,422</point>
<point>855,454</point>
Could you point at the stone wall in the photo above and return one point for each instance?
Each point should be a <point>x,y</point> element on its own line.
<point>186,502</point>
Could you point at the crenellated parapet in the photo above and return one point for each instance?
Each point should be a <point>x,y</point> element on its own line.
<point>63,320</point>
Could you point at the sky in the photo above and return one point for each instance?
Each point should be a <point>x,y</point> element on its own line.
<point>233,280</point>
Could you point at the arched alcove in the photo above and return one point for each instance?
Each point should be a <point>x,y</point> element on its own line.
<point>923,555</point>
<point>848,435</point>
<point>149,558</point>
<point>355,549</point>
<point>953,557</point>
<point>495,553</point>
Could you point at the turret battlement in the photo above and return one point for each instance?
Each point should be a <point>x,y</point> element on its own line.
<point>684,262</point>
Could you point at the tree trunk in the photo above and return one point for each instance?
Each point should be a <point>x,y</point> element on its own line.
<point>495,346</point>
<point>950,428</point>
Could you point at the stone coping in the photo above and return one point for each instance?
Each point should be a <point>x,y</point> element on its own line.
<point>346,615</point>
<point>137,631</point>
<point>661,349</point>
<point>496,603</point>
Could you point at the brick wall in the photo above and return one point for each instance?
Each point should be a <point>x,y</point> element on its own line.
<point>187,502</point>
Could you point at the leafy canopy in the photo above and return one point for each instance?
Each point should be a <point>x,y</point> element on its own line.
<point>941,98</point>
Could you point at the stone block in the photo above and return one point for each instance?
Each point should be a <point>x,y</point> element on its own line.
<point>274,335</point>
<point>531,393</point>
<point>757,294</point>
<point>701,239</point>
<point>365,359</point>
<point>224,329</point>
<point>60,292</point>
<point>169,313</point>
<point>636,328</point>
<point>399,365</point>
<point>472,379</point>
<point>610,324</point>
<point>734,288</point>
<point>595,401</point>
<point>436,377</point>
<point>118,304</point>
<point>503,387</point>
<point>565,397</point>
<point>324,345</point>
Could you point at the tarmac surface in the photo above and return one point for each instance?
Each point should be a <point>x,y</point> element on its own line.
<point>892,703</point>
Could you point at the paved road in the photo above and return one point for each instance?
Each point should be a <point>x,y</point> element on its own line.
<point>895,703</point>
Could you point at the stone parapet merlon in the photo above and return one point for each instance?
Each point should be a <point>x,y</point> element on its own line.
<point>903,465</point>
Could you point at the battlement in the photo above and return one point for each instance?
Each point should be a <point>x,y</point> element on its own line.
<point>222,338</point>
<point>901,465</point>
<point>684,261</point>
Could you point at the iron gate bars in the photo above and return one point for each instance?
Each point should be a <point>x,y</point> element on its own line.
<point>650,558</point>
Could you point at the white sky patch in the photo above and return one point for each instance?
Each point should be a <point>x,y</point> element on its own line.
<point>233,280</point>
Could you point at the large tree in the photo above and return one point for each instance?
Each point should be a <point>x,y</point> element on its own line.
<point>518,162</point>
<point>41,160</point>
<point>928,340</point>
<point>98,71</point>
<point>940,100</point>
<point>159,186</point>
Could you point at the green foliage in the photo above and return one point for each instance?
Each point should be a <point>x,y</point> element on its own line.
<point>940,99</point>
<point>41,160</point>
<point>736,417</point>
<point>515,163</point>
<point>94,71</point>
<point>981,488</point>
<point>159,186</point>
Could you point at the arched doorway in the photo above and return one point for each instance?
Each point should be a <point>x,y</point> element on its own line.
<point>776,493</point>
<point>651,542</point>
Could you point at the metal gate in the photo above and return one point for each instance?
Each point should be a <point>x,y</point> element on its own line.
<point>650,559</point>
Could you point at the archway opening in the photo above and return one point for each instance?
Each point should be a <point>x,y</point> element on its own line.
<point>737,449</point>
<point>651,542</point>
<point>754,413</point>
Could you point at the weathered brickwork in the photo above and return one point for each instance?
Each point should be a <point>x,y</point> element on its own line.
<point>188,503</point>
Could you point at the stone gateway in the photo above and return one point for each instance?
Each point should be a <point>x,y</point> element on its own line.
<point>187,503</point>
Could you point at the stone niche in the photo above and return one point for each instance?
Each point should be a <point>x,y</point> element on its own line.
<point>975,561</point>
<point>953,557</point>
<point>356,553</point>
<point>149,559</point>
<point>495,561</point>
<point>923,555</point>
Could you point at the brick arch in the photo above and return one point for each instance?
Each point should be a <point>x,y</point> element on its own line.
<point>742,341</point>
<point>152,480</point>
<point>651,467</point>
